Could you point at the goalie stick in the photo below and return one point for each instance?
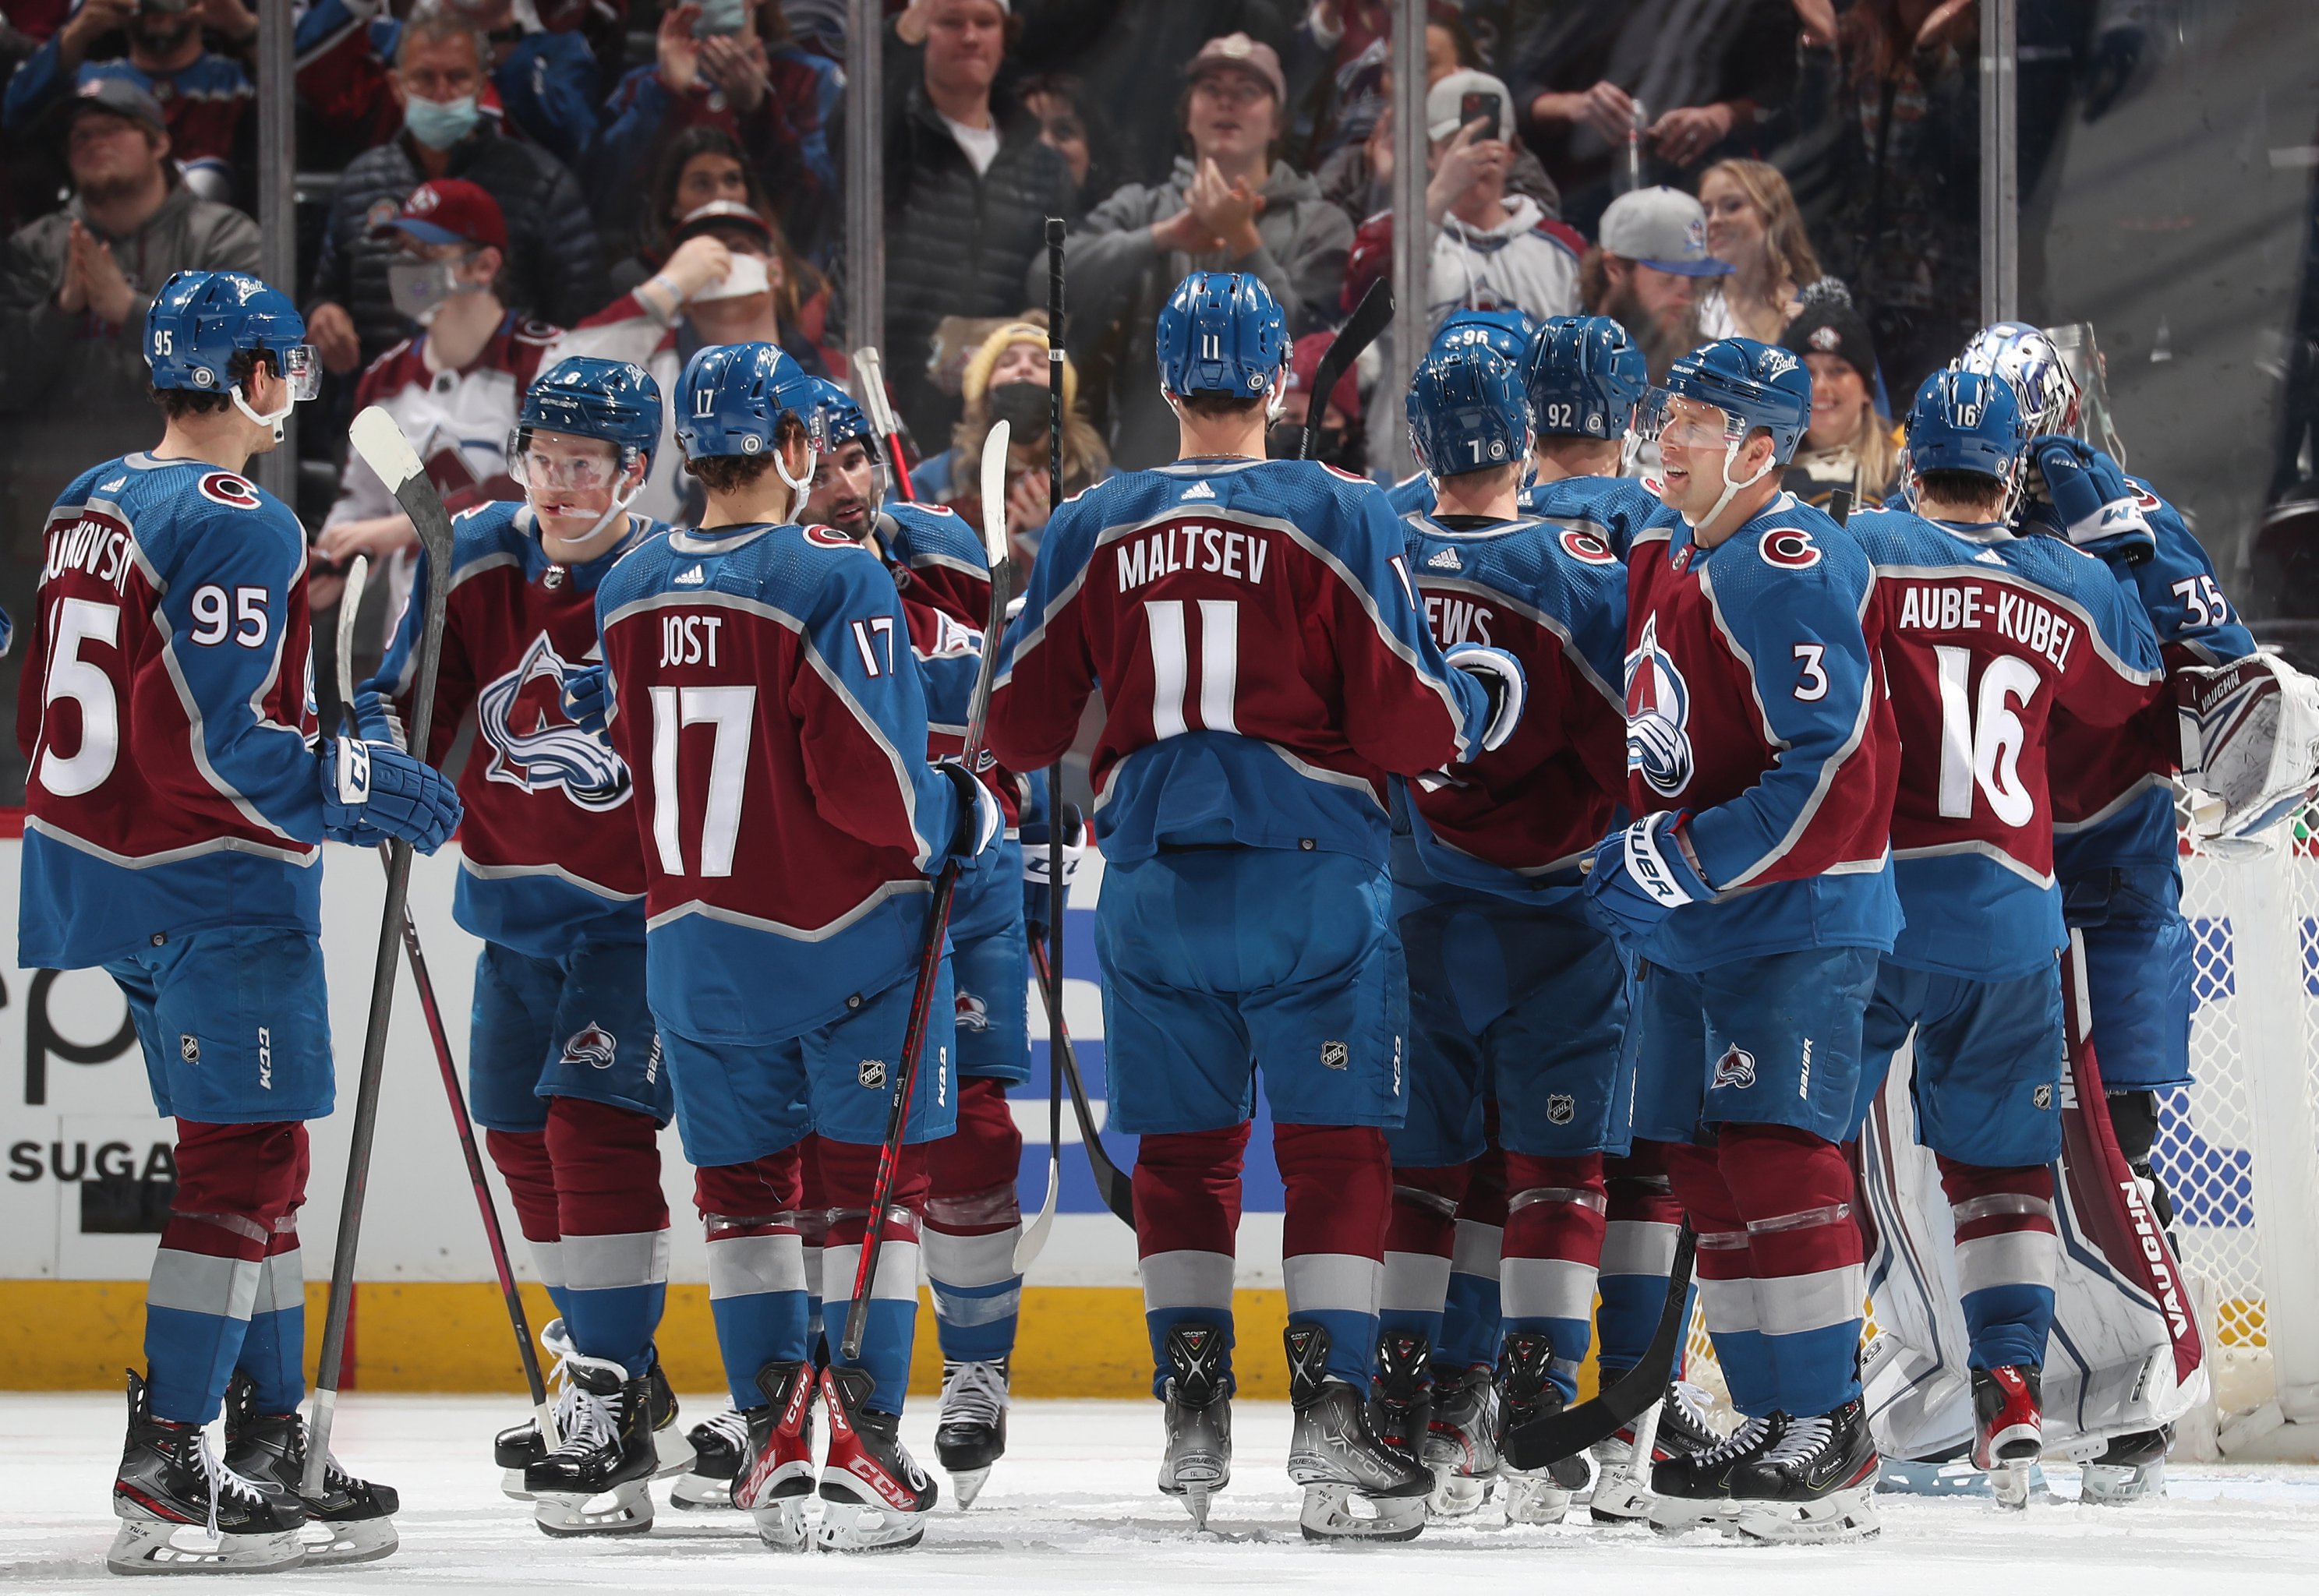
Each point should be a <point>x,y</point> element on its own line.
<point>495,1237</point>
<point>1369,318</point>
<point>930,951</point>
<point>1553,1437</point>
<point>380,444</point>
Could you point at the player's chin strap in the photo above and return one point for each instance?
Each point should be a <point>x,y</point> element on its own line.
<point>801,487</point>
<point>606,524</point>
<point>1731,490</point>
<point>274,421</point>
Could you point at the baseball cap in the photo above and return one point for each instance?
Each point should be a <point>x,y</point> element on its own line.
<point>116,96</point>
<point>1305,365</point>
<point>1443,99</point>
<point>450,211</point>
<point>719,213</point>
<point>1833,328</point>
<point>1665,229</point>
<point>1251,56</point>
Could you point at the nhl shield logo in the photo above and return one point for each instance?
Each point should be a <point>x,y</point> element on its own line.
<point>1335,1055</point>
<point>870,1073</point>
<point>1735,1069</point>
<point>593,1046</point>
<point>2043,1096</point>
<point>189,1047</point>
<point>1658,716</point>
<point>1561,1108</point>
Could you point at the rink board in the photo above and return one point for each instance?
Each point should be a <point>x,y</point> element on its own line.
<point>88,1173</point>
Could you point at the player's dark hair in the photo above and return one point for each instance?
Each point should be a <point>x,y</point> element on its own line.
<point>729,473</point>
<point>1971,490</point>
<point>1583,455</point>
<point>1218,407</point>
<point>177,402</point>
<point>1490,477</point>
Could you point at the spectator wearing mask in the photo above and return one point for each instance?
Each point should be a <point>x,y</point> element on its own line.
<point>1754,228</point>
<point>454,387</point>
<point>970,183</point>
<point>718,287</point>
<point>540,80</point>
<point>553,267</point>
<point>74,289</point>
<point>1339,443</point>
<point>203,95</point>
<point>1229,206</point>
<point>1645,274</point>
<point>731,65</point>
<point>1006,379</point>
<point>1849,444</point>
<point>1491,250</point>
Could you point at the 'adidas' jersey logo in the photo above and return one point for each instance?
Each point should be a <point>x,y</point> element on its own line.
<point>1446,560</point>
<point>115,486</point>
<point>1200,490</point>
<point>691,576</point>
<point>1988,556</point>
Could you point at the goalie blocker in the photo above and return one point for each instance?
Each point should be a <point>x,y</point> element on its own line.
<point>2250,747</point>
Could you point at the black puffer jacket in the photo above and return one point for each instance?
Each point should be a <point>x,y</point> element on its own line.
<point>958,244</point>
<point>555,267</point>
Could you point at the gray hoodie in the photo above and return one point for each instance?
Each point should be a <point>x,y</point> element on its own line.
<point>1118,281</point>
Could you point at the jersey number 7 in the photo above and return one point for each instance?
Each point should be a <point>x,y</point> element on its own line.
<point>733,711</point>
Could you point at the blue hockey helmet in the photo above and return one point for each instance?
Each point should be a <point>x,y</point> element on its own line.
<point>1967,420</point>
<point>1508,331</point>
<point>1754,385</point>
<point>2030,362</point>
<point>843,420</point>
<point>1585,377</point>
<point>613,400</point>
<point>200,320</point>
<point>1221,332</point>
<point>1467,411</point>
<point>732,397</point>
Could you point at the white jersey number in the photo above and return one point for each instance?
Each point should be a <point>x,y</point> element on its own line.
<point>1172,665</point>
<point>733,711</point>
<point>77,621</point>
<point>1981,745</point>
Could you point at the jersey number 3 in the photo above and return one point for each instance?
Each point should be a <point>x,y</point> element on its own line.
<point>733,711</point>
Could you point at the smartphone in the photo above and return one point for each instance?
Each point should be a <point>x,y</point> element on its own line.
<point>720,17</point>
<point>1487,108</point>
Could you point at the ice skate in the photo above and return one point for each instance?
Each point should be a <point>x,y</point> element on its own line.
<point>777,1483</point>
<point>1356,1487</point>
<point>1198,1418</point>
<point>352,1521</point>
<point>1461,1443</point>
<point>874,1496</point>
<point>598,1481</point>
<point>719,1444</point>
<point>1675,1428</point>
<point>1814,1484</point>
<point>971,1434</point>
<point>1401,1392</point>
<point>1694,1491</point>
<point>182,1511</point>
<point>2131,1468</point>
<point>518,1446</point>
<point>1537,1496</point>
<point>2009,1424</point>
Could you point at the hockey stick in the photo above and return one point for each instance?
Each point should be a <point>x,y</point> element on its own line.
<point>930,951</point>
<point>1369,318</point>
<point>380,444</point>
<point>1553,1437</point>
<point>1033,1239</point>
<point>1112,1183</point>
<point>357,578</point>
<point>881,411</point>
<point>1839,506</point>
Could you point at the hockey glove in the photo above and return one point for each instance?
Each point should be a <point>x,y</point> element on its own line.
<point>375,791</point>
<point>981,821</point>
<point>1500,677</point>
<point>1643,874</point>
<point>588,698</point>
<point>377,720</point>
<point>1035,879</point>
<point>2249,746</point>
<point>2087,500</point>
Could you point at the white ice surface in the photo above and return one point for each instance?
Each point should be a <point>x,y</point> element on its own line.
<point>1072,1508</point>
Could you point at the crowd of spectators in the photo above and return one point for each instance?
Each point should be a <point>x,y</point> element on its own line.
<point>489,183</point>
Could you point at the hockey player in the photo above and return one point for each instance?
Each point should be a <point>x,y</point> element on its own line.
<point>1515,994</point>
<point>758,683</point>
<point>563,1069</point>
<point>175,810</point>
<point>1988,638</point>
<point>1757,892</point>
<point>2115,850</point>
<point>1264,667</point>
<point>1509,334</point>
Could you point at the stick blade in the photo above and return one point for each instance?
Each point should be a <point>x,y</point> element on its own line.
<point>994,494</point>
<point>1566,1433</point>
<point>1033,1239</point>
<point>380,442</point>
<point>349,607</point>
<point>1370,318</point>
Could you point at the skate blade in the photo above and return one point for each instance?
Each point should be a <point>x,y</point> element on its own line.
<point>1337,1512</point>
<point>1678,1516</point>
<point>1619,1500</point>
<point>2009,1484</point>
<point>966,1485</point>
<point>625,1509</point>
<point>511,1485</point>
<point>782,1525</point>
<point>1897,1476</point>
<point>2121,1484</point>
<point>673,1450</point>
<point>863,1527</point>
<point>1535,1499</point>
<point>1842,1515</point>
<point>151,1546</point>
<point>330,1544</point>
<point>701,1494</point>
<point>1457,1495</point>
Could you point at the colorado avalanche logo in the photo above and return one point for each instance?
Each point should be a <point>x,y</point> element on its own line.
<point>534,747</point>
<point>1658,716</point>
<point>973,1013</point>
<point>591,1045</point>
